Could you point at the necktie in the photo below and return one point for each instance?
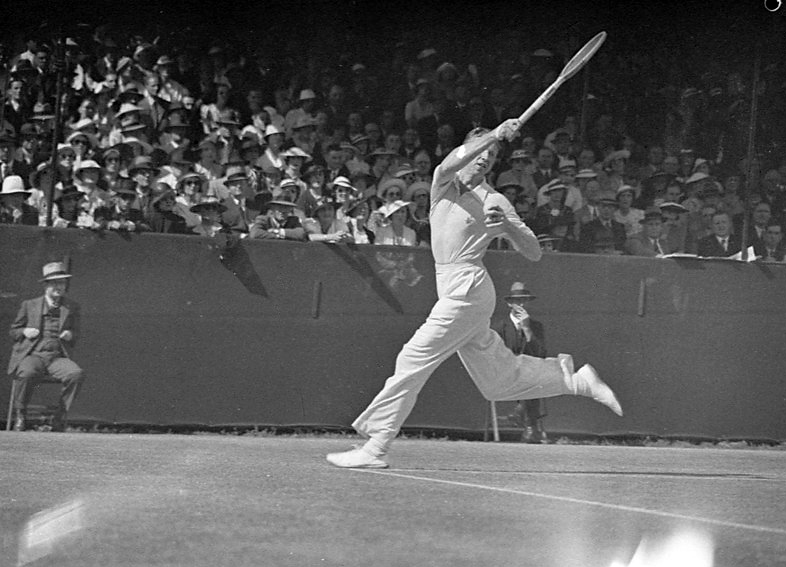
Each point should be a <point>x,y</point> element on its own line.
<point>725,244</point>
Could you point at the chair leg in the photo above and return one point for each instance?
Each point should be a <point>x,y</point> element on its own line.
<point>10,417</point>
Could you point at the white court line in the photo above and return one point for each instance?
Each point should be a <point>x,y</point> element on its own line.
<point>620,507</point>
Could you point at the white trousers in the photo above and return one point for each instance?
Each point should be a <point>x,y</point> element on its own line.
<point>459,322</point>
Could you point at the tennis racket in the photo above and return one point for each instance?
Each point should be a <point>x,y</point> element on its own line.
<point>573,66</point>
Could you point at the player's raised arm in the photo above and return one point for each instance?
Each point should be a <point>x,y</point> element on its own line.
<point>475,145</point>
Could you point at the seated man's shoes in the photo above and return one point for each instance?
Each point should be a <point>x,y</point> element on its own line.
<point>589,384</point>
<point>19,422</point>
<point>356,458</point>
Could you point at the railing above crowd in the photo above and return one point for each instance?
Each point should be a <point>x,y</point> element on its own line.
<point>121,132</point>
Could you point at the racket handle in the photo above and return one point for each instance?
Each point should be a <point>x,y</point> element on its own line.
<point>540,101</point>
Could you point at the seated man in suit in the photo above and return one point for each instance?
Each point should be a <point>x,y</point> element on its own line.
<point>44,331</point>
<point>604,227</point>
<point>524,335</point>
<point>721,243</point>
<point>771,248</point>
<point>650,241</point>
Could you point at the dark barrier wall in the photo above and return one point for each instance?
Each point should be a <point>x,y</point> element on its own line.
<point>176,330</point>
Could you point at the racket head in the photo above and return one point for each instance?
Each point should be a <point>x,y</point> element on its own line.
<point>582,56</point>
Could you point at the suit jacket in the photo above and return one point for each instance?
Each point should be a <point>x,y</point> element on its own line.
<point>31,314</point>
<point>639,245</point>
<point>590,230</point>
<point>234,217</point>
<point>516,341</point>
<point>710,247</point>
<point>778,254</point>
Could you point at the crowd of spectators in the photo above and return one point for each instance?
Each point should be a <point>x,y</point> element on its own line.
<point>171,136</point>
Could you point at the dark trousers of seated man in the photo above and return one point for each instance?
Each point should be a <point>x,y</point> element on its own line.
<point>35,367</point>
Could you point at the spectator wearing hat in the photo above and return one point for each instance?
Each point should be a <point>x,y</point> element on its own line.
<point>121,216</point>
<point>189,189</point>
<point>325,227</point>
<point>209,210</point>
<point>44,334</point>
<point>675,228</point>
<point>520,173</point>
<point>566,176</point>
<point>524,335</point>
<point>306,109</point>
<point>28,152</point>
<point>358,213</point>
<point>315,191</point>
<point>143,174</point>
<point>651,241</point>
<point>94,200</point>
<point>419,195</point>
<point>236,215</point>
<point>163,218</point>
<point>13,209</point>
<point>279,221</point>
<point>553,211</point>
<point>272,156</point>
<point>344,194</point>
<point>113,163</point>
<point>380,160</point>
<point>604,228</point>
<point>395,231</point>
<point>760,220</point>
<point>65,209</point>
<point>626,213</point>
<point>721,243</point>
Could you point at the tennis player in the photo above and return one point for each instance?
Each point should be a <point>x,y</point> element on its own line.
<point>466,214</point>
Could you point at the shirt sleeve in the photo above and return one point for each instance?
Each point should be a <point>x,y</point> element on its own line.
<point>519,234</point>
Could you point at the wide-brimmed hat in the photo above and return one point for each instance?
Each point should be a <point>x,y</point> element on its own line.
<point>520,154</point>
<point>390,208</point>
<point>141,162</point>
<point>13,185</point>
<point>54,271</point>
<point>208,203</point>
<point>161,193</point>
<point>307,94</point>
<point>295,152</point>
<point>282,203</point>
<point>416,188</point>
<point>380,152</point>
<point>342,181</point>
<point>566,164</point>
<point>674,207</point>
<point>127,108</point>
<point>586,174</point>
<point>698,176</point>
<point>618,154</point>
<point>543,238</point>
<point>86,164</point>
<point>304,122</point>
<point>608,198</point>
<point>271,129</point>
<point>387,184</point>
<point>519,291</point>
<point>626,189</point>
<point>191,175</point>
<point>357,138</point>
<point>554,187</point>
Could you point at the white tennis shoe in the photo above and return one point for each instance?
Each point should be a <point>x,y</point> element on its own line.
<point>589,384</point>
<point>357,458</point>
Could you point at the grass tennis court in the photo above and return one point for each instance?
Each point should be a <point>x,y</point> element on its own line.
<point>80,499</point>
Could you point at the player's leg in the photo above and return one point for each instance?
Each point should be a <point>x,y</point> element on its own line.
<point>503,376</point>
<point>449,325</point>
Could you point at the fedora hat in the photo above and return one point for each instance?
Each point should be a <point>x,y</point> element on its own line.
<point>295,152</point>
<point>86,164</point>
<point>271,129</point>
<point>586,174</point>
<point>54,271</point>
<point>208,203</point>
<point>13,185</point>
<point>519,291</point>
<point>141,162</point>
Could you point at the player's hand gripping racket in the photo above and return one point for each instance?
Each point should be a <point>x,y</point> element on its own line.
<point>574,66</point>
